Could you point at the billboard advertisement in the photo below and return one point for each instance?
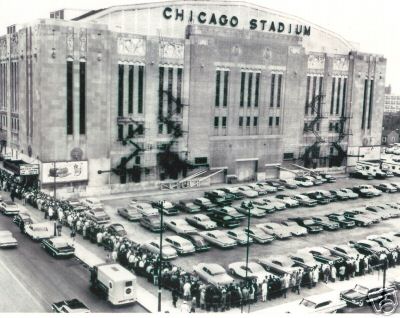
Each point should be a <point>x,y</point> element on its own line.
<point>64,171</point>
<point>28,170</point>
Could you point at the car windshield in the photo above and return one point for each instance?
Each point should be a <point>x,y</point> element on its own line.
<point>360,289</point>
<point>308,222</point>
<point>307,303</point>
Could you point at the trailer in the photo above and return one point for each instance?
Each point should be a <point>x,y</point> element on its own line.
<point>372,167</point>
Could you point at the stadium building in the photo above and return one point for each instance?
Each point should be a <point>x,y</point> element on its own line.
<point>131,95</point>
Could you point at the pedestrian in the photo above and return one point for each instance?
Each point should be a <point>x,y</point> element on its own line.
<point>285,284</point>
<point>73,234</point>
<point>175,297</point>
<point>315,276</point>
<point>202,298</point>
<point>264,290</point>
<point>186,290</point>
<point>299,278</point>
<point>193,305</point>
<point>333,273</point>
<point>185,307</point>
<point>342,271</point>
<point>59,228</point>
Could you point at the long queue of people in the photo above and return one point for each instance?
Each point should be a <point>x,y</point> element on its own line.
<point>194,293</point>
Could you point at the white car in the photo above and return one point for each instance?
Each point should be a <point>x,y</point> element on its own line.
<point>218,238</point>
<point>280,265</point>
<point>92,203</point>
<point>248,192</point>
<point>391,246</point>
<point>344,251</point>
<point>7,239</point>
<point>182,245</point>
<point>239,236</point>
<point>213,273</point>
<point>180,226</point>
<point>168,252</point>
<point>368,187</point>
<point>39,231</point>
<point>350,193</point>
<point>9,208</point>
<point>259,189</point>
<point>319,304</point>
<point>287,200</point>
<point>201,221</point>
<point>254,270</point>
<point>258,235</point>
<point>97,215</point>
<point>295,229</point>
<point>276,203</point>
<point>275,229</point>
<point>144,208</point>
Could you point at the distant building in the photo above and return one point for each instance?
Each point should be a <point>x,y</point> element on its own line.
<point>392,103</point>
<point>390,137</point>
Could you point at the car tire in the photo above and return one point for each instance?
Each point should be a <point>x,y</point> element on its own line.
<point>232,271</point>
<point>361,304</point>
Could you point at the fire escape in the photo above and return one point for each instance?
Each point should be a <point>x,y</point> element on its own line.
<point>342,134</point>
<point>312,152</point>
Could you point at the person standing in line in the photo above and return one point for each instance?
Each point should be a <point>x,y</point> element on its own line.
<point>193,305</point>
<point>264,290</point>
<point>59,228</point>
<point>299,277</point>
<point>175,297</point>
<point>185,307</point>
<point>333,273</point>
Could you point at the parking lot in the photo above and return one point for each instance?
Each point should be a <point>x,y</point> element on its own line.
<point>225,257</point>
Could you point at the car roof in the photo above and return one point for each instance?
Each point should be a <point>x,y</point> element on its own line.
<point>213,267</point>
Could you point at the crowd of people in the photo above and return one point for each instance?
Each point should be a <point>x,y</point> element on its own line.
<point>194,293</point>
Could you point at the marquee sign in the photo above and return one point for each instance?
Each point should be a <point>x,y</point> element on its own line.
<point>211,18</point>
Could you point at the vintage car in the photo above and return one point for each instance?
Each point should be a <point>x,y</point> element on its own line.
<point>396,185</point>
<point>144,208</point>
<point>254,270</point>
<point>179,226</point>
<point>280,265</point>
<point>276,184</point>
<point>239,236</point>
<point>309,224</point>
<point>22,219</point>
<point>392,209</point>
<point>152,223</point>
<point>339,195</point>
<point>219,197</point>
<point>261,203</point>
<point>258,188</point>
<point>117,230</point>
<point>341,220</point>
<point>268,188</point>
<point>200,244</point>
<point>7,240</point>
<point>256,210</point>
<point>287,200</point>
<point>367,247</point>
<point>277,230</point>
<point>204,204</point>
<point>359,174</point>
<point>201,221</point>
<point>303,182</point>
<point>303,259</point>
<point>350,193</point>
<point>288,183</point>
<point>168,208</point>
<point>168,252</point>
<point>72,306</point>
<point>275,203</point>
<point>380,211</point>
<point>39,231</point>
<point>314,180</point>
<point>213,273</point>
<point>182,245</point>
<point>326,223</point>
<point>130,214</point>
<point>237,194</point>
<point>224,220</point>
<point>258,235</point>
<point>9,208</point>
<point>317,196</point>
<point>58,247</point>
<point>218,238</point>
<point>322,255</point>
<point>362,211</point>
<point>92,203</point>
<point>318,304</point>
<point>344,251</point>
<point>390,246</point>
<point>304,200</point>
<point>327,194</point>
<point>329,178</point>
<point>360,295</point>
<point>97,215</point>
<point>188,206</point>
<point>294,228</point>
<point>358,219</point>
<point>366,190</point>
<point>231,211</point>
<point>386,187</point>
<point>248,192</point>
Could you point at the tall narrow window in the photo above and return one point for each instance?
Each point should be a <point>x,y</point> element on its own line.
<point>140,88</point>
<point>70,97</point>
<point>120,90</point>
<point>170,78</point>
<point>371,101</point>
<point>130,131</point>
<point>160,92</point>
<point>241,121</point>
<point>179,91</point>
<point>344,96</point>
<point>257,93</point>
<point>120,132</point>
<point>248,119</point>
<point>216,122</point>
<point>249,89</point>
<point>130,89</point>
<point>333,94</point>
<point>270,121</point>
<point>271,102</point>
<point>314,89</point>
<point>338,95</point>
<point>242,83</point>
<point>320,94</point>
<point>255,121</point>
<point>82,98</point>
<point>224,122</point>
<point>279,92</point>
<point>364,104</point>
<point>277,121</point>
<point>226,85</point>
<point>307,106</point>
<point>217,87</point>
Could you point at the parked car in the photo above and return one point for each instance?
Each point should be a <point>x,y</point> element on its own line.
<point>360,295</point>
<point>256,210</point>
<point>224,220</point>
<point>72,306</point>
<point>341,220</point>
<point>259,189</point>
<point>358,219</point>
<point>182,245</point>
<point>318,197</point>
<point>201,221</point>
<point>129,214</point>
<point>213,273</point>
<point>144,208</point>
<point>39,231</point>
<point>97,215</point>
<point>92,203</point>
<point>152,223</point>
<point>280,265</point>
<point>267,187</point>
<point>9,208</point>
<point>254,271</point>
<point>362,211</point>
<point>350,193</point>
<point>304,200</point>
<point>275,183</point>
<point>179,226</point>
<point>22,219</point>
<point>329,178</point>
<point>314,180</point>
<point>239,236</point>
<point>318,177</point>
<point>117,229</point>
<point>275,203</point>
<point>390,246</point>
<point>309,224</point>
<point>200,244</point>
<point>367,247</point>
<point>167,207</point>
<point>7,239</point>
<point>339,195</point>
<point>204,204</point>
<point>326,223</point>
<point>188,206</point>
<point>303,182</point>
<point>233,191</point>
<point>168,252</point>
<point>327,194</point>
<point>248,192</point>
<point>58,247</point>
<point>288,183</point>
<point>220,197</point>
<point>277,230</point>
<point>295,229</point>
<point>359,174</point>
<point>258,235</point>
<point>363,191</point>
<point>343,250</point>
<point>261,203</point>
<point>380,211</point>
<point>322,255</point>
<point>386,187</point>
<point>218,238</point>
<point>287,200</point>
<point>304,260</point>
<point>396,185</point>
<point>318,304</point>
<point>231,211</point>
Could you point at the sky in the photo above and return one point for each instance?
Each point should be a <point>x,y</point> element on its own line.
<point>371,23</point>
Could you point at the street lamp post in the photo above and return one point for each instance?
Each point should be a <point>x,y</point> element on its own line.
<point>248,206</point>
<point>161,211</point>
<point>54,182</point>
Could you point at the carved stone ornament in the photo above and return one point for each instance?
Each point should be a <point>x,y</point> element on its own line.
<point>14,43</point>
<point>132,46</point>
<point>294,49</point>
<point>70,40</point>
<point>316,62</point>
<point>76,154</point>
<point>267,54</point>
<point>236,50</point>
<point>172,50</point>
<point>82,40</point>
<point>340,64</point>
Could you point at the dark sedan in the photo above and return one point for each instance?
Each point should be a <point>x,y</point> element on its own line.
<point>326,223</point>
<point>341,220</point>
<point>309,224</point>
<point>117,229</point>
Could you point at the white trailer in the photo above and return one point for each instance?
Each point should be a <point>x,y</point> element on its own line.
<point>371,166</point>
<point>115,283</point>
<point>392,166</point>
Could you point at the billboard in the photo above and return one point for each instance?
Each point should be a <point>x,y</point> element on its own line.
<point>28,170</point>
<point>64,171</point>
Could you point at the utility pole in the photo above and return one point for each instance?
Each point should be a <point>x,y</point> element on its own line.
<point>248,206</point>
<point>161,211</point>
<point>55,175</point>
